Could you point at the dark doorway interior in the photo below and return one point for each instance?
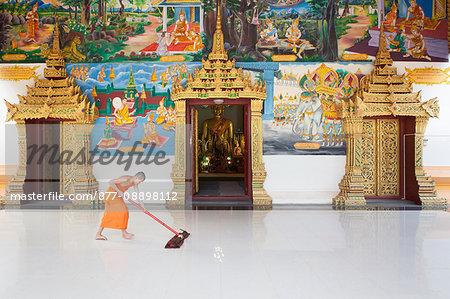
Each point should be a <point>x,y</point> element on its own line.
<point>43,152</point>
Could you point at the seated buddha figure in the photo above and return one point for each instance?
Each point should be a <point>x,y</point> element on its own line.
<point>121,112</point>
<point>217,133</point>
<point>415,14</point>
<point>180,33</point>
<point>151,135</point>
<point>269,36</point>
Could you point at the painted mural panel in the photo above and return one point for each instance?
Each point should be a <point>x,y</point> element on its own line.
<point>137,114</point>
<point>306,97</point>
<point>256,30</point>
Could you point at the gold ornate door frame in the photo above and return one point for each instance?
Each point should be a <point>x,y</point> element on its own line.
<point>260,198</point>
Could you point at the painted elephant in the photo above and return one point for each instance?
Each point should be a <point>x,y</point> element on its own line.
<point>308,119</point>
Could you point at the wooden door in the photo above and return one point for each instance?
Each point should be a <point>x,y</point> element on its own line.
<point>381,158</point>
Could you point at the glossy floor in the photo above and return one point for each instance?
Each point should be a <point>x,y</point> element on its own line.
<point>230,254</point>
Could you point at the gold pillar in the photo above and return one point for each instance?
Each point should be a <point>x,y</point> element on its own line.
<point>77,178</point>
<point>15,185</point>
<point>427,188</point>
<point>178,174</point>
<point>258,176</point>
<point>352,186</point>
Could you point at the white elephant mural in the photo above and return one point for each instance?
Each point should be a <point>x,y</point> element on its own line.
<point>308,119</point>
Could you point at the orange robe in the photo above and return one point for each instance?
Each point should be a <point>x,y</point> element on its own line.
<point>116,211</point>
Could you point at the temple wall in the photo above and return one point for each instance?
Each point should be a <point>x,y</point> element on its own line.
<point>300,179</point>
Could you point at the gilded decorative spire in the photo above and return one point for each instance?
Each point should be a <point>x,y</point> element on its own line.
<point>218,18</point>
<point>55,60</point>
<point>383,56</point>
<point>218,52</point>
<point>56,49</point>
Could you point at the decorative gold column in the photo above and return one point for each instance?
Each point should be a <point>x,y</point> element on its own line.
<point>427,186</point>
<point>15,185</point>
<point>260,196</point>
<point>77,177</point>
<point>178,174</point>
<point>352,185</point>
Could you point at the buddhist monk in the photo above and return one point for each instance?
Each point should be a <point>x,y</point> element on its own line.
<point>121,112</point>
<point>116,212</point>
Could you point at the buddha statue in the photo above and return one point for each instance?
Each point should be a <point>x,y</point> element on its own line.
<point>217,133</point>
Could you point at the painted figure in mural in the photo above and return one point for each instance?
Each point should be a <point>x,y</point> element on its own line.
<point>330,80</point>
<point>164,41</point>
<point>85,72</point>
<point>347,88</point>
<point>170,119</point>
<point>165,76</point>
<point>308,118</point>
<point>116,212</point>
<point>217,133</point>
<point>294,34</point>
<point>151,136</point>
<point>416,17</point>
<point>181,28</point>
<point>195,38</point>
<point>108,141</point>
<point>121,112</point>
<point>416,44</point>
<point>101,75</point>
<point>398,42</point>
<point>32,22</point>
<point>183,71</point>
<point>162,113</point>
<point>391,18</point>
<point>71,53</point>
<point>269,36</point>
<point>415,13</point>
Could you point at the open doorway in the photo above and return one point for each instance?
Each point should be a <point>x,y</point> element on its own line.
<point>220,151</point>
<point>43,150</point>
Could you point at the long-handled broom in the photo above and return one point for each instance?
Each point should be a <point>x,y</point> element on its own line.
<point>176,240</point>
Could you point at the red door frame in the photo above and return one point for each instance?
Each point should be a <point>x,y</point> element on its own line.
<point>247,137</point>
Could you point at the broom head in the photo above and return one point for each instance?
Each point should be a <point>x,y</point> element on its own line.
<point>177,240</point>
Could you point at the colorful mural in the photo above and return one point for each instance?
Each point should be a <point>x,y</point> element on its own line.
<point>254,31</point>
<point>305,118</point>
<point>134,104</point>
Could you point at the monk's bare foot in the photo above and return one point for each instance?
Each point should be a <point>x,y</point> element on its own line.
<point>100,237</point>
<point>127,235</point>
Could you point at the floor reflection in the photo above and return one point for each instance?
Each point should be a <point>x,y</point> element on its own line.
<point>281,253</point>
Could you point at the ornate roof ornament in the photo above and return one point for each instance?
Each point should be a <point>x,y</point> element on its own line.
<point>384,92</point>
<point>57,96</point>
<point>218,78</point>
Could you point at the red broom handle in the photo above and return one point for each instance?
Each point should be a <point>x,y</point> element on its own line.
<point>154,217</point>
